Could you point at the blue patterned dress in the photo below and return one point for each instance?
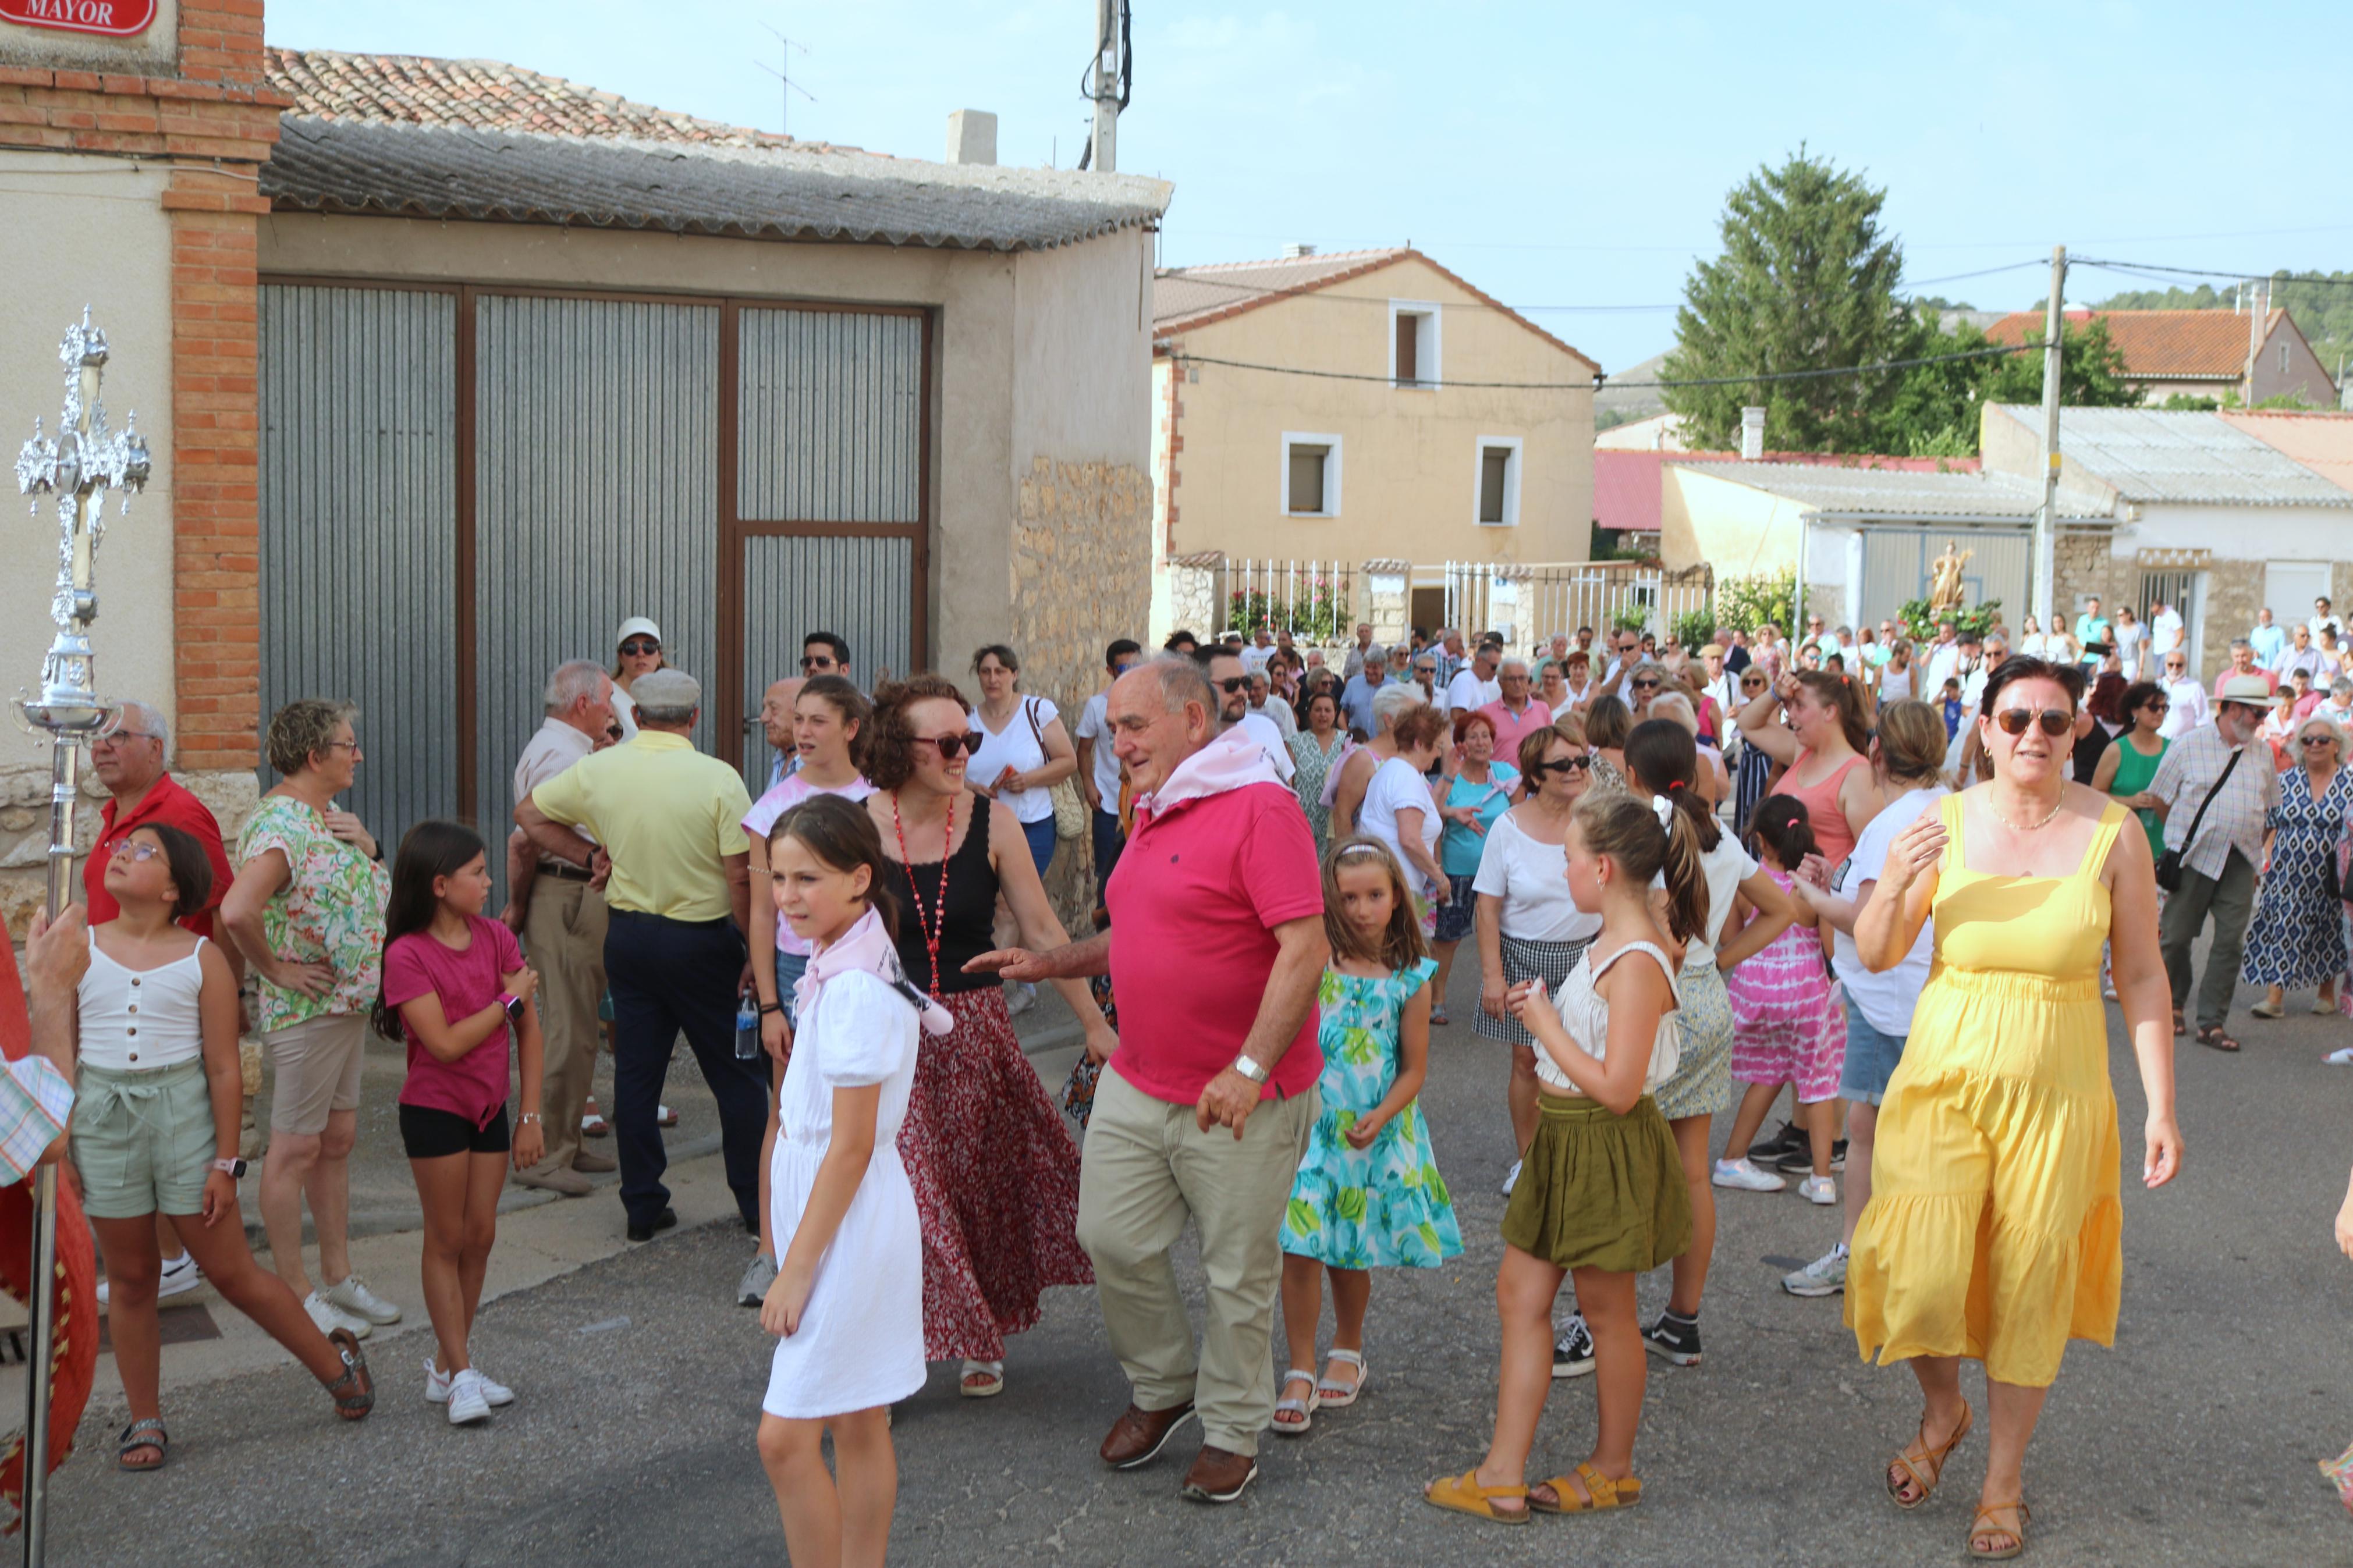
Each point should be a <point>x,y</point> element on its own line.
<point>1382,1206</point>
<point>2297,937</point>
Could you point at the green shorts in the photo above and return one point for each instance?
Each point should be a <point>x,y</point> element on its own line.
<point>144,1142</point>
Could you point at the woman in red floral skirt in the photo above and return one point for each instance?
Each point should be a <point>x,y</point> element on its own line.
<point>995,1170</point>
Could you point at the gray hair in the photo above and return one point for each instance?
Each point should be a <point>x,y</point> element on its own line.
<point>144,718</point>
<point>1391,700</point>
<point>1511,660</point>
<point>2341,687</point>
<point>1375,653</point>
<point>573,680</point>
<point>2336,731</point>
<point>667,697</point>
<point>1181,679</point>
<point>1673,706</point>
<point>2242,642</point>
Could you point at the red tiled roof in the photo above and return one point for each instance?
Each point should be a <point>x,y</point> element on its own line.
<point>1628,487</point>
<point>2320,441</point>
<point>2157,344</point>
<point>487,95</point>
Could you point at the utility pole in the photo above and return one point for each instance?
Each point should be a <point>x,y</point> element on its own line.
<point>2046,521</point>
<point>1108,78</point>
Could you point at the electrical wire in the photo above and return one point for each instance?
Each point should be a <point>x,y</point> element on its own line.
<point>1598,382</point>
<point>2322,281</point>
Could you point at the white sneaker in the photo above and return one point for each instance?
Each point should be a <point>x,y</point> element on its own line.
<point>2340,1057</point>
<point>436,1386</point>
<point>180,1276</point>
<point>468,1401</point>
<point>354,1299</point>
<point>1821,1190</point>
<point>1511,1178</point>
<point>1019,998</point>
<point>327,1317</point>
<point>1745,1176</point>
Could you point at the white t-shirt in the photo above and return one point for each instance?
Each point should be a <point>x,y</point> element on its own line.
<point>1095,724</point>
<point>762,819</point>
<point>1973,687</point>
<point>1944,662</point>
<point>2165,633</point>
<point>1532,879</point>
<point>1885,1000</point>
<point>1255,659</point>
<point>1726,866</point>
<point>1015,747</point>
<point>2189,710</point>
<point>1278,751</point>
<point>1467,690</point>
<point>1395,786</point>
<point>1895,685</point>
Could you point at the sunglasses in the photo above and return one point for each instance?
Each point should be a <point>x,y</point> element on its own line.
<point>1237,683</point>
<point>818,661</point>
<point>1646,686</point>
<point>2055,722</point>
<point>641,647</point>
<point>1565,766</point>
<point>2305,740</point>
<point>133,850</point>
<point>2157,705</point>
<point>952,746</point>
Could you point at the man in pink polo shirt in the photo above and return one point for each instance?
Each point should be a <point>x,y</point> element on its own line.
<point>1517,714</point>
<point>1215,950</point>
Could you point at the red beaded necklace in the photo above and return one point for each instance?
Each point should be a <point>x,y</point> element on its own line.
<point>933,926</point>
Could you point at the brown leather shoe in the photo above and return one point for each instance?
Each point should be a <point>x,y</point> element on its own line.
<point>1218,1476</point>
<point>1137,1436</point>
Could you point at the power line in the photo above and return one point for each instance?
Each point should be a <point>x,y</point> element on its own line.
<point>1598,382</point>
<point>2148,267</point>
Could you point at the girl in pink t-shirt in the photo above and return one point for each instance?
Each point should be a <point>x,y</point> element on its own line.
<point>455,989</point>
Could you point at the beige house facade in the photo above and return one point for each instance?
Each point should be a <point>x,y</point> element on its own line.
<point>1440,426</point>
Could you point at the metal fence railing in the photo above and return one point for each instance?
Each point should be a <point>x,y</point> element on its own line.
<point>1320,602</point>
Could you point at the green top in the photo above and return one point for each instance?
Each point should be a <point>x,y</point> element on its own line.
<point>2133,772</point>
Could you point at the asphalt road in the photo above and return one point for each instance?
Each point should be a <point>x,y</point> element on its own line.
<point>2192,1442</point>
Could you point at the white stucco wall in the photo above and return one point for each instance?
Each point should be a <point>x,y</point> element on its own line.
<point>78,230</point>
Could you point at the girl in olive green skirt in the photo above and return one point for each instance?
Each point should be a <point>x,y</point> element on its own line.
<point>1601,1196</point>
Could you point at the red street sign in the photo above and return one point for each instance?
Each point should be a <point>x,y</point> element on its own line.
<point>115,18</point>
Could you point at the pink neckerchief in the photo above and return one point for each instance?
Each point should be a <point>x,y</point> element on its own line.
<point>1229,762</point>
<point>866,947</point>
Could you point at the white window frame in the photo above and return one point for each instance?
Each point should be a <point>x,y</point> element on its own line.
<point>1478,449</point>
<point>1429,366</point>
<point>1331,470</point>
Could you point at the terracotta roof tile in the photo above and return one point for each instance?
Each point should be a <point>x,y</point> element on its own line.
<point>2169,343</point>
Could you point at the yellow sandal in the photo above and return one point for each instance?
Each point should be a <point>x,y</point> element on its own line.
<point>1463,1494</point>
<point>1600,1493</point>
<point>1934,1457</point>
<point>1980,1528</point>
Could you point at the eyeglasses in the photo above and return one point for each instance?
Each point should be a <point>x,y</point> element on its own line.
<point>135,850</point>
<point>339,745</point>
<point>2176,664</point>
<point>951,746</point>
<point>640,647</point>
<point>2054,720</point>
<point>1565,765</point>
<point>819,661</point>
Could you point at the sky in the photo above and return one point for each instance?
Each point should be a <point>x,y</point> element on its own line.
<point>1568,159</point>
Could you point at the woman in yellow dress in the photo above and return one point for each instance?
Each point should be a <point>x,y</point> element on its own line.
<point>1993,1227</point>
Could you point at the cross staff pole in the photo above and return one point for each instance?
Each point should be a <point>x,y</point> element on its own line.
<point>80,468</point>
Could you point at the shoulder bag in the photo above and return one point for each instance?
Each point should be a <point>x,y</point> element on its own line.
<point>2168,865</point>
<point>1070,811</point>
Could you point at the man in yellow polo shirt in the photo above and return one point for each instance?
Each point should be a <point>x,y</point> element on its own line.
<point>671,820</point>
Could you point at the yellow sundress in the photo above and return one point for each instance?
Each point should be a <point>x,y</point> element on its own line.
<point>1994,1229</point>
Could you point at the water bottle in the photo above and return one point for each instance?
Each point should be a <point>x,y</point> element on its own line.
<point>747,1029</point>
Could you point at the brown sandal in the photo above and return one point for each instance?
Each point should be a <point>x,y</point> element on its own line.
<point>1980,1530</point>
<point>354,1392</point>
<point>2212,1036</point>
<point>1601,1493</point>
<point>1934,1456</point>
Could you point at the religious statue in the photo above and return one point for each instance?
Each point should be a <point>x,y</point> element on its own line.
<point>1945,585</point>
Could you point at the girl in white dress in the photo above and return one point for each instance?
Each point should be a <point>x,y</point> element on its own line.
<point>848,1301</point>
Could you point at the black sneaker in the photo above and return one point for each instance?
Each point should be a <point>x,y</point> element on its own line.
<point>1572,1353</point>
<point>646,1230</point>
<point>1800,1160</point>
<point>1766,1152</point>
<point>1677,1343</point>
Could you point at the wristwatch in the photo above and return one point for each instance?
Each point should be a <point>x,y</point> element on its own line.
<point>233,1169</point>
<point>513,1006</point>
<point>1250,1069</point>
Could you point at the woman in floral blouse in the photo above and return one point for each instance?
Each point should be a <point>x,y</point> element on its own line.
<point>306,910</point>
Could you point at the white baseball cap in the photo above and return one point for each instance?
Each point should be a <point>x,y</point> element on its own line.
<point>637,626</point>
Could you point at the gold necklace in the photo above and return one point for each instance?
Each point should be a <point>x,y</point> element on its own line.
<point>2031,827</point>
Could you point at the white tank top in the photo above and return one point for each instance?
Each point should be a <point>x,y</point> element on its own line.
<point>1586,1017</point>
<point>134,1020</point>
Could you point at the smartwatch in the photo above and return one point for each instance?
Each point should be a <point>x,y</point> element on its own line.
<point>1250,1069</point>
<point>233,1169</point>
<point>513,1006</point>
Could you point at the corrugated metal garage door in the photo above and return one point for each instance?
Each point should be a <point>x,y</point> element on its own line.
<point>359,519</point>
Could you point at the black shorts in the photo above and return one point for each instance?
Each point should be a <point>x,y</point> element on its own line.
<point>430,1134</point>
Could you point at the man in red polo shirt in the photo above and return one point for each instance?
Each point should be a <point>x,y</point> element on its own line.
<point>1215,950</point>
<point>129,761</point>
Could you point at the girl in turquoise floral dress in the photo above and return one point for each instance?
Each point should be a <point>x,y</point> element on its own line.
<point>1368,1195</point>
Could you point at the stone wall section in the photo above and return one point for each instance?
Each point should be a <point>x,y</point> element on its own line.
<point>25,829</point>
<point>1083,577</point>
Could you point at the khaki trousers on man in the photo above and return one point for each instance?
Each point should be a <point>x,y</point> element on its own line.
<point>564,939</point>
<point>1147,1169</point>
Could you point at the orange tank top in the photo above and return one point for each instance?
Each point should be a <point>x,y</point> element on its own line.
<point>1831,833</point>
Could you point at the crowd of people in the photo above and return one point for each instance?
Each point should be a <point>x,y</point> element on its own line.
<point>1895,880</point>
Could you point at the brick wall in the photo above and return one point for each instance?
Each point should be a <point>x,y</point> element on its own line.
<point>214,122</point>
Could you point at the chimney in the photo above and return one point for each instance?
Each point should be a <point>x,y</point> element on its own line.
<point>972,137</point>
<point>1296,249</point>
<point>1752,434</point>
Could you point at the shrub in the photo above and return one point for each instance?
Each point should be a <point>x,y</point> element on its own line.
<point>1745,603</point>
<point>1693,628</point>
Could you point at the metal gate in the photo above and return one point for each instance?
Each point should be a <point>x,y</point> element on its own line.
<point>2182,590</point>
<point>359,530</point>
<point>1898,564</point>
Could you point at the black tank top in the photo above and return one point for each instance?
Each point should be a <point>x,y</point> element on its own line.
<point>966,931</point>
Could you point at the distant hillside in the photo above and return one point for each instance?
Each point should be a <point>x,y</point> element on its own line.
<point>2322,311</point>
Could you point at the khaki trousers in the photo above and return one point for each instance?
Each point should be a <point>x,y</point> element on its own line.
<point>1147,1169</point>
<point>564,941</point>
